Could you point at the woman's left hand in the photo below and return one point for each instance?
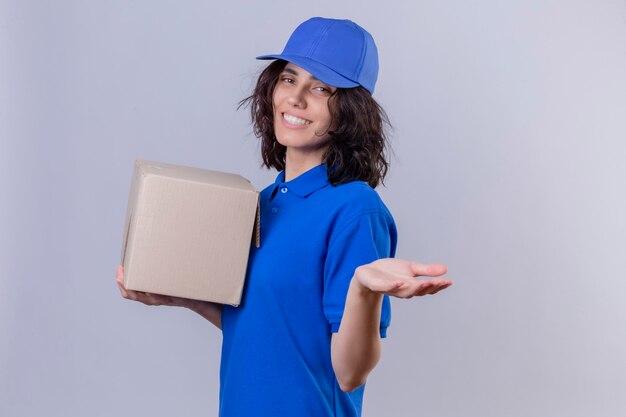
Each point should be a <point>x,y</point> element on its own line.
<point>399,278</point>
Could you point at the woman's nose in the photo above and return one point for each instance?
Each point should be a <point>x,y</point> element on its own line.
<point>296,98</point>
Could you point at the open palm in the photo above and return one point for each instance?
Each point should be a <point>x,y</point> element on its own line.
<point>399,277</point>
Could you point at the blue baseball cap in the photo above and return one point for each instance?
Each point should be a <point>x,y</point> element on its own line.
<point>337,52</point>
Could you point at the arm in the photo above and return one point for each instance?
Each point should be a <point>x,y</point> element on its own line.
<point>356,347</point>
<point>210,311</point>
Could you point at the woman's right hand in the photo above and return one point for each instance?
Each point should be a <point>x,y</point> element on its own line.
<point>150,299</point>
<point>210,311</point>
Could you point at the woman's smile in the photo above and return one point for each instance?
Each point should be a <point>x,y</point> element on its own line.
<point>294,121</point>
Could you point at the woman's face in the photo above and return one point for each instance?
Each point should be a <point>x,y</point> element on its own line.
<point>301,114</point>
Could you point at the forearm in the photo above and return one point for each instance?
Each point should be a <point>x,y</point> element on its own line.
<point>210,311</point>
<point>356,347</point>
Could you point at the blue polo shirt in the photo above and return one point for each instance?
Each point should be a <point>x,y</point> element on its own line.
<point>276,345</point>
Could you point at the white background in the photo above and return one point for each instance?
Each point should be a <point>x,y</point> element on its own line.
<point>510,122</point>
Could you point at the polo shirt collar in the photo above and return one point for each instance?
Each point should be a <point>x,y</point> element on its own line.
<point>304,184</point>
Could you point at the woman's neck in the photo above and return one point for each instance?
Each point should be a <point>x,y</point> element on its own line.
<point>297,163</point>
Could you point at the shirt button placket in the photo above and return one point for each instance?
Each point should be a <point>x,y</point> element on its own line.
<point>283,190</point>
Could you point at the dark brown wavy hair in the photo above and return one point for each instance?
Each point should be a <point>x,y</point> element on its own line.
<point>357,149</point>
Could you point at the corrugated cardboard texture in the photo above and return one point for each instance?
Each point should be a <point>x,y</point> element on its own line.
<point>188,232</point>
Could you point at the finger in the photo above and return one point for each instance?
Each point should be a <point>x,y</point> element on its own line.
<point>150,299</point>
<point>428,270</point>
<point>447,284</point>
<point>440,287</point>
<point>162,299</point>
<point>415,289</point>
<point>128,294</point>
<point>421,287</point>
<point>425,288</point>
<point>434,290</point>
<point>133,295</point>
<point>122,290</point>
<point>430,287</point>
<point>144,297</point>
<point>119,274</point>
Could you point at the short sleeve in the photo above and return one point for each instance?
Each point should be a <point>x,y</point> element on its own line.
<point>364,239</point>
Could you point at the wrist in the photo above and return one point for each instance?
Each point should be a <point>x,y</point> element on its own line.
<point>193,305</point>
<point>361,291</point>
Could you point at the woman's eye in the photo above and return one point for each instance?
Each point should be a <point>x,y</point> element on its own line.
<point>287,80</point>
<point>322,89</point>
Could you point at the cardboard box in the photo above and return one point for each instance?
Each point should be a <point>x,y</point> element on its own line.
<point>188,232</point>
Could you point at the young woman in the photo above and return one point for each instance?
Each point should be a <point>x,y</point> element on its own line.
<point>316,299</point>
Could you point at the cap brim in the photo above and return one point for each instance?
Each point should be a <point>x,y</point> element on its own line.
<point>319,71</point>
